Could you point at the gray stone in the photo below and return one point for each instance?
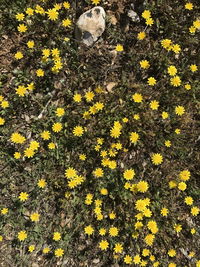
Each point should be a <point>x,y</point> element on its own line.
<point>90,25</point>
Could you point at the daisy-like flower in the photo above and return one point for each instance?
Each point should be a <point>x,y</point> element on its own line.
<point>134,137</point>
<point>179,110</point>
<point>59,252</point>
<point>172,70</point>
<point>57,127</point>
<point>154,105</point>
<point>151,81</point>
<point>66,22</point>
<point>193,67</point>
<point>22,28</point>
<point>52,14</point>
<point>141,35</point>
<point>104,245</point>
<point>137,98</point>
<point>95,2</point>
<point>144,64</point>
<point>78,131</point>
<point>175,81</point>
<point>157,158</point>
<point>119,48</point>
<point>189,6</point>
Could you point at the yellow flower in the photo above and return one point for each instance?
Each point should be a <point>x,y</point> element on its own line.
<point>57,127</point>
<point>157,158</point>
<point>51,145</point>
<point>82,157</point>
<point>77,97</point>
<point>102,231</point>
<point>176,48</point>
<point>46,250</point>
<point>189,6</point>
<point>177,131</point>
<point>196,24</point>
<point>165,115</point>
<point>23,196</point>
<point>188,200</point>
<point>137,98</point>
<point>172,184</point>
<point>177,227</point>
<point>194,211</point>
<point>21,90</point>
<point>29,152</point>
<point>22,28</point>
<point>179,110</point>
<point>113,231</point>
<point>89,230</point>
<point>118,248</point>
<point>19,55</point>
<point>95,2</point>
<point>167,143</point>
<point>2,121</point>
<point>17,155</point>
<point>22,235</point>
<point>30,44</point>
<point>166,43</point>
<point>98,172</point>
<point>192,29</point>
<point>59,252</point>
<point>45,135</point>
<point>52,14</point>
<point>1,238</point>
<point>134,137</point>
<point>46,52</point>
<point>104,191</point>
<point>4,104</point>
<point>40,73</point>
<point>66,5</point>
<point>104,244</point>
<point>154,105</point>
<point>164,212</point>
<point>56,236</point>
<point>17,138</point>
<point>78,131</point>
<point>41,183</point>
<point>193,67</point>
<point>31,248</point>
<point>172,252</point>
<point>66,22</point>
<point>146,14</point>
<point>172,70</point>
<point>149,21</point>
<point>175,81</point>
<point>129,174</point>
<point>187,86</point>
<point>29,11</point>
<point>4,211</point>
<point>112,216</point>
<point>184,175</point>
<point>144,64</point>
<point>119,48</point>
<point>140,205</point>
<point>35,217</point>
<point>145,252</point>
<point>137,259</point>
<point>142,186</point>
<point>141,35</point>
<point>128,259</point>
<point>152,226</point>
<point>19,16</point>
<point>149,239</point>
<point>151,81</point>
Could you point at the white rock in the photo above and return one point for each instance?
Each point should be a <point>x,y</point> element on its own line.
<point>90,25</point>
